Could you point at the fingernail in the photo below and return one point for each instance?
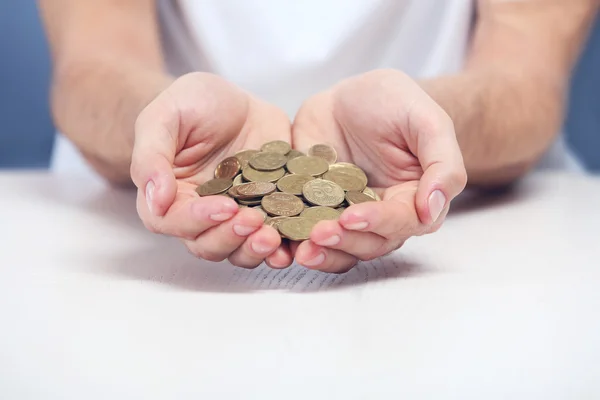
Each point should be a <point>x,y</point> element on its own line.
<point>437,202</point>
<point>242,230</point>
<point>277,265</point>
<point>220,212</point>
<point>150,196</point>
<point>318,260</point>
<point>357,226</point>
<point>221,216</point>
<point>260,248</point>
<point>272,259</point>
<point>330,241</point>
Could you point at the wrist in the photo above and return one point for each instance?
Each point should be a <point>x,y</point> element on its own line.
<point>504,119</point>
<point>95,105</point>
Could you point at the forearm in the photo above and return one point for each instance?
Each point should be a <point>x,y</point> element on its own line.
<point>108,65</point>
<point>508,102</point>
<point>503,123</point>
<point>95,105</point>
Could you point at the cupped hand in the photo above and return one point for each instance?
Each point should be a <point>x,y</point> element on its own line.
<point>386,124</point>
<point>180,137</point>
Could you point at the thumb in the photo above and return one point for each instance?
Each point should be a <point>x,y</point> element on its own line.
<point>314,123</point>
<point>156,132</point>
<point>444,175</point>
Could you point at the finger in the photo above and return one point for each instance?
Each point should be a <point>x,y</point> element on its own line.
<point>156,135</point>
<point>319,258</point>
<point>256,248</point>
<point>313,119</point>
<point>281,257</point>
<point>294,247</point>
<point>362,245</point>
<point>440,221</point>
<point>188,217</point>
<point>395,218</point>
<point>435,144</point>
<point>217,243</point>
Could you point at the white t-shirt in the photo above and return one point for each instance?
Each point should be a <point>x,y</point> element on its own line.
<point>285,51</point>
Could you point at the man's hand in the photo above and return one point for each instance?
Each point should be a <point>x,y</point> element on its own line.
<point>180,137</point>
<point>102,78</point>
<point>385,123</point>
<point>508,101</point>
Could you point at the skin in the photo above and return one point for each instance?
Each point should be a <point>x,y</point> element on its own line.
<point>103,77</point>
<point>405,143</point>
<point>514,85</point>
<point>417,141</point>
<point>180,139</point>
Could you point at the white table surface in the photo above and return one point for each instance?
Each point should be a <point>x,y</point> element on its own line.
<point>502,303</point>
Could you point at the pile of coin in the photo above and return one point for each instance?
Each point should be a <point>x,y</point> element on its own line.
<point>293,190</point>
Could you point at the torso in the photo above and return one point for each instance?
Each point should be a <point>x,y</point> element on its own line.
<point>284,51</point>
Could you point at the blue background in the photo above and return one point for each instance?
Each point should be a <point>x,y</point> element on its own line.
<point>27,134</point>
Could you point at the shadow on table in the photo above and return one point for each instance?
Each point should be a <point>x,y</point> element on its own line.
<point>474,200</point>
<point>167,263</point>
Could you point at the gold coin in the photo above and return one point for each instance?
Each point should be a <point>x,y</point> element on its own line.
<point>294,154</point>
<point>321,213</point>
<point>342,206</point>
<point>214,187</point>
<point>259,209</point>
<point>293,183</point>
<point>277,146</point>
<point>238,180</point>
<point>254,189</point>
<point>232,192</point>
<point>323,151</point>
<point>252,175</point>
<point>249,202</point>
<point>282,205</point>
<point>297,228</point>
<point>275,221</point>
<point>347,179</point>
<point>307,165</point>
<point>370,192</point>
<point>228,168</point>
<point>320,192</point>
<point>350,169</point>
<point>245,156</point>
<point>357,197</point>
<point>342,164</point>
<point>267,161</point>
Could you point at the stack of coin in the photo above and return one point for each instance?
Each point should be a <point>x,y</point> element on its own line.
<point>293,190</point>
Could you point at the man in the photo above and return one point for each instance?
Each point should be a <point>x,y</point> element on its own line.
<point>419,93</point>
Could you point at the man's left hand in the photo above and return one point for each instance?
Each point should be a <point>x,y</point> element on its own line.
<point>386,124</point>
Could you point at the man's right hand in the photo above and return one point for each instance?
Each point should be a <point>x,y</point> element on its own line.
<point>180,137</point>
